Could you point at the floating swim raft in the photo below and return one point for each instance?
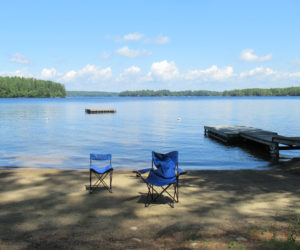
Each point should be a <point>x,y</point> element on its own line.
<point>99,111</point>
<point>270,139</point>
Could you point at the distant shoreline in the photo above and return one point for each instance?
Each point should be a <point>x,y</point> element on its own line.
<point>290,91</point>
<point>14,87</point>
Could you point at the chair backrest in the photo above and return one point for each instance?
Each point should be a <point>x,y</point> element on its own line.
<point>166,164</point>
<point>100,157</point>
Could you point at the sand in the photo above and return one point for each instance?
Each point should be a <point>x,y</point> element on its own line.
<point>47,209</point>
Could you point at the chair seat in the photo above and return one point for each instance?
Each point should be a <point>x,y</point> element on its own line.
<point>145,170</point>
<point>101,170</point>
<point>157,180</point>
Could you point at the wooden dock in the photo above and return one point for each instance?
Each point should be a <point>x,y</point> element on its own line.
<point>272,141</point>
<point>99,111</point>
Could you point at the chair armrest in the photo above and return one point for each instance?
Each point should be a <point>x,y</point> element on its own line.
<point>141,171</point>
<point>181,172</point>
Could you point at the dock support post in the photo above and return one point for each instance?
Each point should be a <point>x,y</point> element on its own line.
<point>274,151</point>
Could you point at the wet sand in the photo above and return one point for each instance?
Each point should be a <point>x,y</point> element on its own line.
<point>47,209</point>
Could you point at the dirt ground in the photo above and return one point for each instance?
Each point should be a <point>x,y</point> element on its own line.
<point>246,209</point>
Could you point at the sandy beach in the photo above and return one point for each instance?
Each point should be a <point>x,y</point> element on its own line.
<point>47,209</point>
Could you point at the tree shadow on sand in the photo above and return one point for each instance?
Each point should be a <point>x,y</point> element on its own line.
<point>52,209</point>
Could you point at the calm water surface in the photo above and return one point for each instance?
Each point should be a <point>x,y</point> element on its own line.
<point>56,133</point>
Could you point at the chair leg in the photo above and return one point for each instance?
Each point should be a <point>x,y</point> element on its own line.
<point>153,195</point>
<point>90,181</point>
<point>149,195</point>
<point>176,192</point>
<point>110,184</point>
<point>100,181</point>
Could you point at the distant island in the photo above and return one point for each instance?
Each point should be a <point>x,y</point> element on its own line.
<point>30,87</point>
<point>291,91</point>
<point>90,93</point>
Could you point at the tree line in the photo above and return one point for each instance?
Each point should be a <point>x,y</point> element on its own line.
<point>165,92</point>
<point>291,91</point>
<point>30,87</point>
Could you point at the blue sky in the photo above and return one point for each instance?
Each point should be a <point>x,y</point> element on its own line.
<point>132,45</point>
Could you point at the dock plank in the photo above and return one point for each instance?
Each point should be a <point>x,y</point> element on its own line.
<point>244,134</point>
<point>290,141</point>
<point>233,133</point>
<point>270,139</point>
<point>263,137</point>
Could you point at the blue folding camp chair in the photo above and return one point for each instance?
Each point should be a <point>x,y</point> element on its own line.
<point>165,174</point>
<point>100,172</point>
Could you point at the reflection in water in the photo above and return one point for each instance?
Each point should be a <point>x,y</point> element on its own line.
<point>58,133</point>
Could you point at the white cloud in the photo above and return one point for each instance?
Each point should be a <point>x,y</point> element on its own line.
<point>89,73</point>
<point>146,78</point>
<point>247,55</point>
<point>136,36</point>
<point>130,74</point>
<point>125,51</point>
<point>69,76</point>
<point>132,70</point>
<point>133,37</point>
<point>165,70</point>
<point>19,58</point>
<point>161,40</point>
<point>49,73</point>
<point>270,75</point>
<point>296,74</point>
<point>211,74</point>
<point>19,73</point>
<point>105,55</point>
<point>259,71</point>
<point>296,62</point>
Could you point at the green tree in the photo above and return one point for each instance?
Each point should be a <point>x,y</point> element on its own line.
<point>30,87</point>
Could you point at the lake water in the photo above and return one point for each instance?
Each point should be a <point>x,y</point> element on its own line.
<point>57,133</point>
